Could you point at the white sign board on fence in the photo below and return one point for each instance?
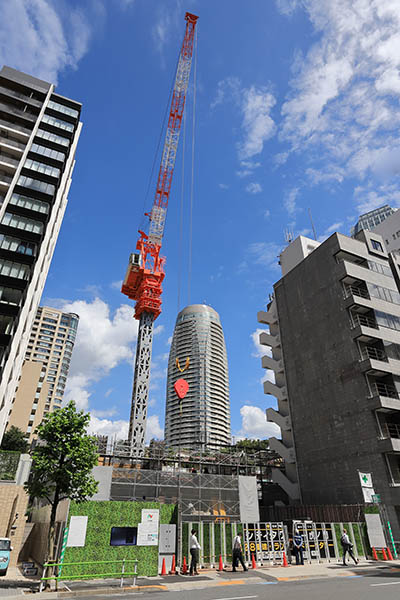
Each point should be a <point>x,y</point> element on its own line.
<point>375,531</point>
<point>167,539</point>
<point>368,494</point>
<point>147,534</point>
<point>248,498</point>
<point>77,532</point>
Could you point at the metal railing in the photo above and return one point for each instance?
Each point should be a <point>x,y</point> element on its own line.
<point>11,142</point>
<point>364,321</point>
<point>4,176</point>
<point>10,160</point>
<point>390,430</point>
<point>15,126</point>
<point>24,97</point>
<point>374,353</point>
<point>382,389</point>
<point>115,575</point>
<point>352,290</point>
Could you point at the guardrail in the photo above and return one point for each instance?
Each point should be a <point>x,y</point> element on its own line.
<point>119,575</point>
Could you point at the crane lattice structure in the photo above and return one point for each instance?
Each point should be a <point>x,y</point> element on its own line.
<point>145,271</point>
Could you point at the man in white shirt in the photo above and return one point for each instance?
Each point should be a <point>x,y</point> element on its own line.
<point>194,553</point>
<point>237,555</point>
<point>347,547</point>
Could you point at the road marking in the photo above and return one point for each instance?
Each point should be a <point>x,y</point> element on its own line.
<point>236,598</point>
<point>390,583</point>
<point>266,583</point>
<point>237,582</point>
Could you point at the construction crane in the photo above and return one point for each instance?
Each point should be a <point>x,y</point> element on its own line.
<point>145,271</point>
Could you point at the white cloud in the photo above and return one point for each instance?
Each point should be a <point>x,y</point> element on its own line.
<point>259,349</point>
<point>167,24</point>
<point>39,38</point>
<point>255,105</point>
<point>223,186</point>
<point>264,253</point>
<point>169,341</point>
<point>367,198</point>
<point>255,425</point>
<point>98,426</point>
<point>343,110</point>
<point>154,429</point>
<point>334,227</point>
<point>267,214</point>
<point>116,285</point>
<point>287,7</point>
<point>290,200</point>
<point>254,188</point>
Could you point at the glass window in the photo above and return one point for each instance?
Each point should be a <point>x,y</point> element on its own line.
<point>52,137</point>
<point>13,269</point>
<point>377,245</point>
<point>45,151</point>
<point>13,244</point>
<point>35,184</point>
<point>24,223</point>
<point>40,167</point>
<point>48,320</point>
<point>63,109</point>
<point>6,324</point>
<point>30,203</point>
<point>57,123</point>
<point>9,295</point>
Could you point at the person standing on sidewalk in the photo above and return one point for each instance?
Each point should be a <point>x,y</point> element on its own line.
<point>298,547</point>
<point>347,547</point>
<point>194,553</point>
<point>237,555</point>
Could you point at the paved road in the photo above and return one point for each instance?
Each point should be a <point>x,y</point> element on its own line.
<point>382,587</point>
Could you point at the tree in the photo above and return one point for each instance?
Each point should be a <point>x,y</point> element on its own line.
<point>62,462</point>
<point>14,439</point>
<point>250,444</point>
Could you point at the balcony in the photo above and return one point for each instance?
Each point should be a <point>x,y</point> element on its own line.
<point>14,126</point>
<point>5,177</point>
<point>353,290</point>
<point>276,417</point>
<point>266,339</point>
<point>390,440</point>
<point>291,488</point>
<point>364,321</point>
<point>8,159</point>
<point>383,389</point>
<point>280,393</point>
<point>23,97</point>
<point>11,142</point>
<point>286,452</point>
<point>267,362</point>
<point>373,353</point>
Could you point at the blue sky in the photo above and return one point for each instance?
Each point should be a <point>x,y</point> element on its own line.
<point>297,107</point>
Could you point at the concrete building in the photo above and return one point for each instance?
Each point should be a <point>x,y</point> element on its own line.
<point>203,416</point>
<point>39,132</point>
<point>371,219</point>
<point>334,335</point>
<point>45,369</point>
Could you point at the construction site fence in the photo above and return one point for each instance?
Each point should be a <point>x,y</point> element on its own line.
<point>268,541</point>
<point>334,513</point>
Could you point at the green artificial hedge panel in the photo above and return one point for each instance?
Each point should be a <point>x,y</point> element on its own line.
<point>102,516</point>
<point>229,540</point>
<point>185,541</point>
<point>357,537</point>
<point>338,534</point>
<point>218,541</point>
<point>206,543</point>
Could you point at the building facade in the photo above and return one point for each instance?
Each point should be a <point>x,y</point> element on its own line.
<point>39,132</point>
<point>334,332</point>
<point>203,416</point>
<point>44,372</point>
<point>372,219</point>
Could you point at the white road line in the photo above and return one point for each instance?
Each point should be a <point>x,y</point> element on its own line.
<point>390,583</point>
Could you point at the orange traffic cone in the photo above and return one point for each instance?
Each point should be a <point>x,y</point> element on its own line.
<point>284,559</point>
<point>163,568</point>
<point>253,562</point>
<point>389,554</point>
<point>384,554</point>
<point>221,565</point>
<point>173,566</point>
<point>184,566</point>
<point>374,554</point>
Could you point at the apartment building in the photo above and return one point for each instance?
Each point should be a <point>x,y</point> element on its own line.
<point>334,347</point>
<point>45,370</point>
<point>39,132</point>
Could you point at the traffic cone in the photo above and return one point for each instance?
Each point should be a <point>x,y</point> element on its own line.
<point>163,568</point>
<point>384,554</point>
<point>184,566</point>
<point>221,565</point>
<point>285,562</point>
<point>253,562</point>
<point>173,566</point>
<point>389,554</point>
<point>374,554</point>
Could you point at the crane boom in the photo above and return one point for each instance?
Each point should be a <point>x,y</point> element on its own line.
<point>145,271</point>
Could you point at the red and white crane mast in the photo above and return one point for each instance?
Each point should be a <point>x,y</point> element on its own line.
<point>145,271</point>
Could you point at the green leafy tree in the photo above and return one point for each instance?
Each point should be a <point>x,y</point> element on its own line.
<point>14,439</point>
<point>250,444</point>
<point>62,462</point>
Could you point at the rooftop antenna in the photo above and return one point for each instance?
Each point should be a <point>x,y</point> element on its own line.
<point>312,224</point>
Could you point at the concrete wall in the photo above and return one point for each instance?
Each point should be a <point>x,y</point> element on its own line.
<point>13,501</point>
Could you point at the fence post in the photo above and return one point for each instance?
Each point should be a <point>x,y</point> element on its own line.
<point>63,547</point>
<point>122,573</point>
<point>42,583</point>
<point>135,574</point>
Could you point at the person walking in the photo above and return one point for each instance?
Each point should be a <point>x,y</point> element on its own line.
<point>347,547</point>
<point>194,553</point>
<point>298,547</point>
<point>237,555</point>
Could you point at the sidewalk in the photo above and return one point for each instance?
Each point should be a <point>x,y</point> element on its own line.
<point>15,585</point>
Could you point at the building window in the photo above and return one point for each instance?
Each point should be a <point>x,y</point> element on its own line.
<point>52,137</point>
<point>377,245</point>
<point>13,244</point>
<point>23,223</point>
<point>13,269</point>
<point>6,324</point>
<point>40,167</point>
<point>49,320</point>
<point>63,109</point>
<point>57,123</point>
<point>45,151</point>
<point>9,295</point>
<point>36,184</point>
